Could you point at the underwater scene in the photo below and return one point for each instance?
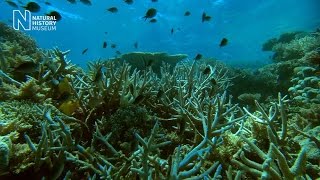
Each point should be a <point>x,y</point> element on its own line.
<point>160,89</point>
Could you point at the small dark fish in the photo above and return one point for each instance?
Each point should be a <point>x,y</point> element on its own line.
<point>113,46</point>
<point>207,70</point>
<point>172,31</point>
<point>113,9</point>
<point>205,17</point>
<point>131,88</point>
<point>139,99</point>
<point>85,50</point>
<point>198,56</point>
<point>160,94</point>
<point>315,60</point>
<point>72,1</point>
<point>105,32</point>
<point>153,20</point>
<point>98,75</point>
<point>104,45</point>
<point>55,14</point>
<point>223,42</point>
<point>47,3</point>
<point>187,13</point>
<point>32,7</point>
<point>26,67</point>
<point>150,13</point>
<point>64,96</point>
<point>118,52</point>
<point>148,63</point>
<point>86,2</point>
<point>128,1</point>
<point>135,45</point>
<point>11,3</point>
<point>213,81</point>
<point>154,0</point>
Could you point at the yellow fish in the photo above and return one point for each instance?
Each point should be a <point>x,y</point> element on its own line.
<point>68,107</point>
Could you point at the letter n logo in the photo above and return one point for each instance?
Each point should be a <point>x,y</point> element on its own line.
<point>21,20</point>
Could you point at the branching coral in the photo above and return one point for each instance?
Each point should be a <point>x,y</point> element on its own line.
<point>296,48</point>
<point>276,163</point>
<point>26,42</point>
<point>186,87</point>
<point>98,124</point>
<point>306,85</point>
<point>144,60</point>
<point>268,169</point>
<point>124,123</point>
<point>292,45</point>
<point>144,155</point>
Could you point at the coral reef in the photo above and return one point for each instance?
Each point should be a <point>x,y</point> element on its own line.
<point>5,152</point>
<point>306,86</point>
<point>124,123</point>
<point>292,50</point>
<point>171,119</point>
<point>292,45</point>
<point>141,60</point>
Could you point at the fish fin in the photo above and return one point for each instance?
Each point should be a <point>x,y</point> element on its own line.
<point>145,18</point>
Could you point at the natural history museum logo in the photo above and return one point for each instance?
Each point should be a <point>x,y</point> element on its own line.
<point>24,20</point>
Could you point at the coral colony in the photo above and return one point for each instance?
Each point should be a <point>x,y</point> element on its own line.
<point>154,116</point>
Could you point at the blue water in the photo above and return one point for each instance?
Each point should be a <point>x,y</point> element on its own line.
<point>247,24</point>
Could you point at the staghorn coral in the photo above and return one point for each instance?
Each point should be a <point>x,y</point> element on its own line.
<point>249,98</point>
<point>144,60</point>
<point>19,118</point>
<point>283,157</point>
<point>197,128</point>
<point>124,170</point>
<point>188,82</point>
<point>268,169</point>
<point>140,161</point>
